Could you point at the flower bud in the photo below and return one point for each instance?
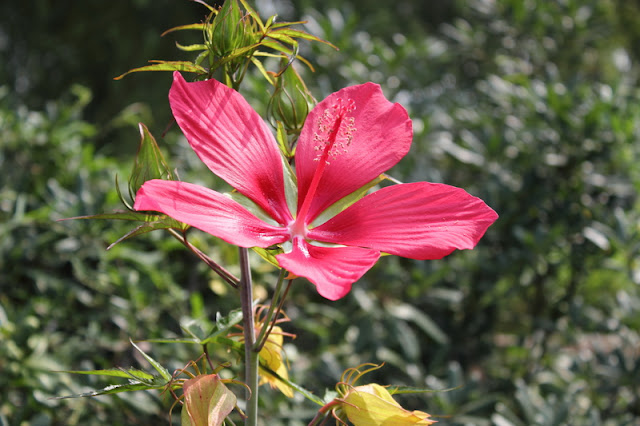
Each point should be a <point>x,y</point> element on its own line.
<point>291,101</point>
<point>227,29</point>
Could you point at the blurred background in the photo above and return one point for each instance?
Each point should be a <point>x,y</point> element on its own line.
<point>532,105</point>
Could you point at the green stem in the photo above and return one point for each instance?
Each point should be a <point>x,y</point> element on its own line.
<point>251,357</point>
<point>272,323</point>
<point>267,319</point>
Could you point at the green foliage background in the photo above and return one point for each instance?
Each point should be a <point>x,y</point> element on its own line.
<point>531,105</point>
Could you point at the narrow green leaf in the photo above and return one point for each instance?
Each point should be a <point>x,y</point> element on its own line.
<point>199,26</point>
<point>140,375</point>
<point>163,223</point>
<point>112,372</point>
<point>174,340</point>
<point>111,389</point>
<point>287,24</point>
<point>278,35</point>
<point>263,70</point>
<point>306,393</point>
<point>301,34</point>
<point>159,368</point>
<point>201,57</point>
<point>191,47</point>
<point>277,46</point>
<point>397,390</point>
<point>122,215</point>
<point>270,21</point>
<point>184,66</point>
<point>253,14</point>
<point>283,141</point>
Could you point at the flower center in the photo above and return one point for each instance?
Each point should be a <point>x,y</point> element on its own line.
<point>333,135</point>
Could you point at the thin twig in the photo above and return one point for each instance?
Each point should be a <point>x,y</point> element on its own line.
<point>222,272</point>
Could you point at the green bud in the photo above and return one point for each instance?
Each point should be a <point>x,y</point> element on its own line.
<point>231,31</point>
<point>291,101</point>
<point>149,163</point>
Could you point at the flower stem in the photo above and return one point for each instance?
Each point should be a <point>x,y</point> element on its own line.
<point>251,357</point>
<point>262,336</point>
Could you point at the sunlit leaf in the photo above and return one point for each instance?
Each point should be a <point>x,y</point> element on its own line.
<point>199,26</point>
<point>155,364</point>
<point>184,66</point>
<point>191,47</point>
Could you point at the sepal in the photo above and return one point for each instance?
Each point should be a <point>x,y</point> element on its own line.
<point>149,163</point>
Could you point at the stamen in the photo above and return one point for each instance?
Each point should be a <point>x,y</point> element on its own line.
<point>334,133</point>
<point>334,130</point>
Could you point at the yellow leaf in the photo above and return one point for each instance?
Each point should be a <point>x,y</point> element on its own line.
<point>271,357</point>
<point>372,405</point>
<point>207,401</point>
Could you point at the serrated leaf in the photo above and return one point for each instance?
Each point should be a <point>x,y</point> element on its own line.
<point>155,364</point>
<point>184,66</point>
<point>149,163</point>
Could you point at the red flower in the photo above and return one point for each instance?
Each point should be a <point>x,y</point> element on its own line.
<point>348,140</point>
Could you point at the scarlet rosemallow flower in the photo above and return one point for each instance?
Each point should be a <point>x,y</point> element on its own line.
<point>348,140</point>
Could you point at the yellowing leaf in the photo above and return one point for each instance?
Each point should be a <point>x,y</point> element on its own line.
<point>207,401</point>
<point>271,357</point>
<point>372,405</point>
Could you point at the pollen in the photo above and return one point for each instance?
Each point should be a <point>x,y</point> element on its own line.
<point>334,130</point>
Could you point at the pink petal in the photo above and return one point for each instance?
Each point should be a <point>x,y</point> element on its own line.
<point>382,137</point>
<point>416,220</point>
<point>331,269</point>
<point>232,140</point>
<point>208,211</point>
